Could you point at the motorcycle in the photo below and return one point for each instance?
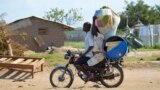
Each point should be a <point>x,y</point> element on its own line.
<point>109,72</point>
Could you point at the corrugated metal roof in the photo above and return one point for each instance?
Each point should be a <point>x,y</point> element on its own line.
<point>66,27</point>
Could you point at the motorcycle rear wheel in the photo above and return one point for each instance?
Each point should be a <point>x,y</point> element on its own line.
<point>105,81</point>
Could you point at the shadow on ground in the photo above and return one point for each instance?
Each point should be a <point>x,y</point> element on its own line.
<point>15,75</point>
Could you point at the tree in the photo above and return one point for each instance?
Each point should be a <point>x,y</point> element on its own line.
<point>59,15</point>
<point>142,11</point>
<point>2,18</point>
<point>56,15</point>
<point>73,16</point>
<point>5,44</point>
<point>153,16</point>
<point>158,8</point>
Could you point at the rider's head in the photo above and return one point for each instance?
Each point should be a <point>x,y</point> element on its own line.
<point>86,26</point>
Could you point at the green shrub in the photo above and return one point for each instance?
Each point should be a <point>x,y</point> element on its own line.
<point>157,46</point>
<point>5,39</point>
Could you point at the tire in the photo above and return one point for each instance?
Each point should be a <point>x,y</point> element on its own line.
<point>117,83</point>
<point>67,72</point>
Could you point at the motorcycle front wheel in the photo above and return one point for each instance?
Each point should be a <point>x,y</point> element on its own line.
<point>112,78</point>
<point>61,77</point>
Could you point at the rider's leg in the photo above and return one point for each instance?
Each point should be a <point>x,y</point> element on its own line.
<point>81,61</point>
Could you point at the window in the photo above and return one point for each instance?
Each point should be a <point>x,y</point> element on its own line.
<point>43,31</point>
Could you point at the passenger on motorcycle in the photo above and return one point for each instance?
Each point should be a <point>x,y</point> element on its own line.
<point>93,47</point>
<point>89,43</point>
<point>98,46</point>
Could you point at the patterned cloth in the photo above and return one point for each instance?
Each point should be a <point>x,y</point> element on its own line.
<point>107,22</point>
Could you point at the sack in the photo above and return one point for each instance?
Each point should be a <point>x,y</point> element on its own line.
<point>134,42</point>
<point>107,22</point>
<point>97,58</point>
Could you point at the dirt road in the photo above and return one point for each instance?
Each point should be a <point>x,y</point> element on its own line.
<point>134,79</point>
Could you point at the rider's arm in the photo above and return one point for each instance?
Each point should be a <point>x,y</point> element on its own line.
<point>88,50</point>
<point>94,28</point>
<point>90,42</point>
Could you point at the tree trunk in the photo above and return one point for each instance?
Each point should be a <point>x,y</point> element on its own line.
<point>9,48</point>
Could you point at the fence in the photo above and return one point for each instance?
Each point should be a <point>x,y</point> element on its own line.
<point>75,39</point>
<point>76,35</point>
<point>150,35</point>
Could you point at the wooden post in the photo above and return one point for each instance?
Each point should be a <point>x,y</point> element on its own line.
<point>41,67</point>
<point>10,48</point>
<point>32,72</point>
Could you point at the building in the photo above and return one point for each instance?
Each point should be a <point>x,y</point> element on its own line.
<point>137,26</point>
<point>37,34</point>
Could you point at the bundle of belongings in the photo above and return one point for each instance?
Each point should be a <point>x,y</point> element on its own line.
<point>107,21</point>
<point>115,47</point>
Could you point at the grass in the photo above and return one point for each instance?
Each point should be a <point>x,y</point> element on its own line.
<point>142,62</point>
<point>74,44</point>
<point>147,49</point>
<point>54,59</point>
<point>137,59</point>
<point>57,58</point>
<point>137,62</point>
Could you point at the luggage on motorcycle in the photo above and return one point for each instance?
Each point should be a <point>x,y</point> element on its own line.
<point>107,21</point>
<point>116,47</point>
<point>97,58</point>
<point>134,42</point>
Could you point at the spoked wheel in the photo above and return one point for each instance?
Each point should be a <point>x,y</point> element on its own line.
<point>61,78</point>
<point>113,78</point>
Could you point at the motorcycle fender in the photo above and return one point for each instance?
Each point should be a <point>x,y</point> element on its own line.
<point>63,66</point>
<point>119,65</point>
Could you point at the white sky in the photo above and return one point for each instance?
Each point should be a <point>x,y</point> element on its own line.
<point>17,9</point>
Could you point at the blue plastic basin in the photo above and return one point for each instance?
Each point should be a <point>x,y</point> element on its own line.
<point>118,51</point>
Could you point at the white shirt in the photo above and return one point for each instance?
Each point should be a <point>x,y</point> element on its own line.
<point>89,42</point>
<point>98,47</point>
<point>98,42</point>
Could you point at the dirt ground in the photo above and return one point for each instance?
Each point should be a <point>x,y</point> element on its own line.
<point>146,78</point>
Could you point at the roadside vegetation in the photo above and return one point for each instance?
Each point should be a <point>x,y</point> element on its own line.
<point>53,59</point>
<point>154,57</point>
<point>7,45</point>
<point>142,62</point>
<point>74,44</point>
<point>57,58</point>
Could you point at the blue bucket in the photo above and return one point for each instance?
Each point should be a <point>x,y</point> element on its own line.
<point>117,51</point>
